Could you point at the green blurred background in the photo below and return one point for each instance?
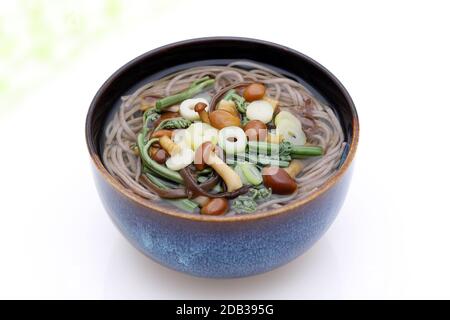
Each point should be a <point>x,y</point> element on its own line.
<point>40,38</point>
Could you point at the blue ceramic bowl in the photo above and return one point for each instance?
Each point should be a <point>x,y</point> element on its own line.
<point>212,246</point>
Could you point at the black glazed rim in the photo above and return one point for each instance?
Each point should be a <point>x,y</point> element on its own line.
<point>231,48</point>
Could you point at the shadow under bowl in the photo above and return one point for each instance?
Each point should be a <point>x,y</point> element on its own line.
<point>230,246</point>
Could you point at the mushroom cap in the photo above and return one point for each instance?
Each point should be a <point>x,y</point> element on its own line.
<point>202,154</point>
<point>215,206</point>
<point>279,180</point>
<point>256,130</point>
<point>254,91</point>
<point>200,106</point>
<point>221,119</point>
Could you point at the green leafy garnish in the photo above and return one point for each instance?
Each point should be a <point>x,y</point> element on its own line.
<point>244,120</point>
<point>173,123</point>
<point>151,115</point>
<point>248,202</point>
<point>195,88</point>
<point>183,203</point>
<point>241,104</point>
<point>151,164</point>
<point>284,150</point>
<point>251,173</point>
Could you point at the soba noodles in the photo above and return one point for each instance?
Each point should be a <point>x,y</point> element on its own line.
<point>186,139</point>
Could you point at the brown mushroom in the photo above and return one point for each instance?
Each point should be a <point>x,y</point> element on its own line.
<point>203,151</point>
<point>254,91</point>
<point>159,155</point>
<point>208,156</point>
<point>200,109</point>
<point>202,189</point>
<point>167,144</point>
<point>199,155</point>
<point>228,106</point>
<point>294,168</point>
<point>220,119</point>
<point>256,130</point>
<point>278,180</point>
<point>215,207</point>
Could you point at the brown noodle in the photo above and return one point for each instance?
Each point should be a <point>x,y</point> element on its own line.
<point>319,122</point>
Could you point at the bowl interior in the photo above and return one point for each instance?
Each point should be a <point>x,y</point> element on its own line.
<point>168,59</point>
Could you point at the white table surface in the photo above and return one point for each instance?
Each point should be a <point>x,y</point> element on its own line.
<point>391,238</point>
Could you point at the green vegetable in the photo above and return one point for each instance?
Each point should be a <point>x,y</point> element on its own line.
<point>241,104</point>
<point>151,115</point>
<point>152,165</point>
<point>284,149</point>
<point>244,204</point>
<point>173,123</point>
<point>280,155</point>
<point>247,203</point>
<point>251,173</point>
<point>261,193</point>
<point>228,95</point>
<point>195,88</point>
<point>261,160</point>
<point>183,204</point>
<point>306,151</point>
<point>244,120</point>
<point>262,147</point>
<point>273,160</point>
<point>238,170</point>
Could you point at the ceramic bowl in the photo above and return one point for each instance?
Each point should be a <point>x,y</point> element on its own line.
<point>215,246</point>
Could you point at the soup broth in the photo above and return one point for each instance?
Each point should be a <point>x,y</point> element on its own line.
<point>223,137</point>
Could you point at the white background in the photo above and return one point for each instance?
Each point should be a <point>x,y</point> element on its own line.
<point>391,238</point>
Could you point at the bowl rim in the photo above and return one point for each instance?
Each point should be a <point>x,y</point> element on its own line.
<point>115,184</point>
